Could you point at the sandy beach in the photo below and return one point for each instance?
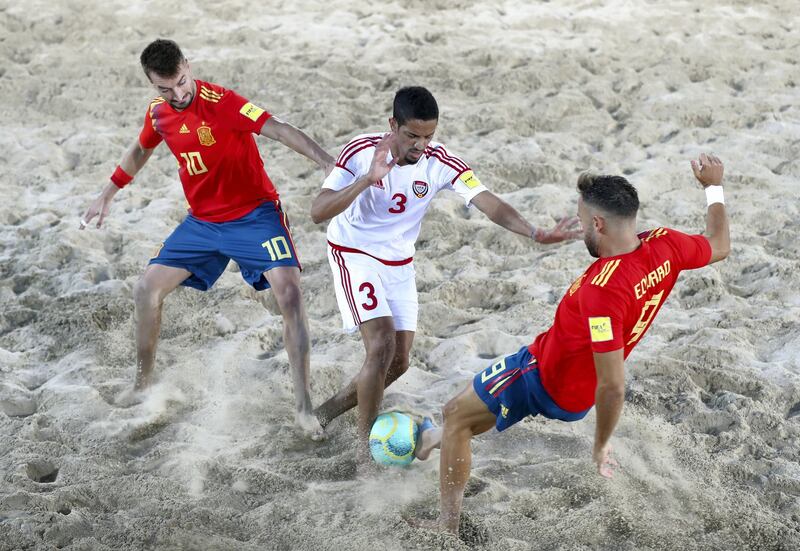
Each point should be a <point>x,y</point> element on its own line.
<point>531,94</point>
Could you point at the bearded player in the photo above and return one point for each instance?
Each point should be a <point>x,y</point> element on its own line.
<point>234,209</point>
<point>579,361</point>
<point>376,198</point>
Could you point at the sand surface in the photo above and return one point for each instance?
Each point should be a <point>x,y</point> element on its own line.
<point>531,93</point>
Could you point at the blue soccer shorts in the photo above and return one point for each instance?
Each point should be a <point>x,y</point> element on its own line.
<point>257,242</point>
<point>512,390</point>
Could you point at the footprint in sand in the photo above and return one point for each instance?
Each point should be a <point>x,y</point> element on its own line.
<point>42,471</point>
<point>16,401</point>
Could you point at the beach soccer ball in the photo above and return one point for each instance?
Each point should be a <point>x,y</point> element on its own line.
<point>393,439</point>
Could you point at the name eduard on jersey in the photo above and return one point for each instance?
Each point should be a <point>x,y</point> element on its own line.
<point>652,279</point>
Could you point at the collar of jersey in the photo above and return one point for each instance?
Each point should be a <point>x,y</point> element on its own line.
<point>191,105</point>
<point>642,244</point>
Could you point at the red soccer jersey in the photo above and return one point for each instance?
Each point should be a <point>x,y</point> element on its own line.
<point>609,307</point>
<point>219,165</point>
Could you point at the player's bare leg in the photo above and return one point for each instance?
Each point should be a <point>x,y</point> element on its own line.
<point>402,351</point>
<point>379,341</point>
<point>156,282</point>
<point>347,397</point>
<point>464,416</point>
<point>285,284</point>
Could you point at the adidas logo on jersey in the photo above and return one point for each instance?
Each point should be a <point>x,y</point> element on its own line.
<point>184,129</point>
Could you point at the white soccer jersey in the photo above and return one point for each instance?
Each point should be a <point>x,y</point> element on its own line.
<point>385,219</point>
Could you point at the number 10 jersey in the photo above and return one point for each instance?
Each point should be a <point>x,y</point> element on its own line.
<point>219,165</point>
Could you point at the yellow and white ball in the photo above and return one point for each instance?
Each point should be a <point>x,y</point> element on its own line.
<point>393,438</point>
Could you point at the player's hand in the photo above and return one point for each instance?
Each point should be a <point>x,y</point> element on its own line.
<point>566,229</point>
<point>98,208</point>
<point>708,170</point>
<point>605,463</point>
<point>379,167</point>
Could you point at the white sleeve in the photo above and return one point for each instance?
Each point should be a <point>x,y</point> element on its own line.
<point>339,178</point>
<point>454,174</point>
<point>468,186</point>
<point>344,175</point>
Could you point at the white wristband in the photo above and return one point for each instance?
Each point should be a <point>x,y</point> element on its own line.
<point>714,195</point>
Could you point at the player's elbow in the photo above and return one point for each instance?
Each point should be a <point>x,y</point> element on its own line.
<point>611,389</point>
<point>316,217</point>
<point>324,206</point>
<point>720,251</point>
<point>318,214</point>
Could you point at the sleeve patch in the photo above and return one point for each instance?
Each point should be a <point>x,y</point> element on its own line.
<point>251,111</point>
<point>469,179</point>
<point>600,329</point>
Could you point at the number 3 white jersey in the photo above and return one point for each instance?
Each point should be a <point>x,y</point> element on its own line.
<point>385,219</point>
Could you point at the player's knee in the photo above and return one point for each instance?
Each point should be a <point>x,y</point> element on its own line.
<point>400,363</point>
<point>289,296</point>
<point>451,415</point>
<point>146,295</point>
<point>449,410</point>
<point>380,348</point>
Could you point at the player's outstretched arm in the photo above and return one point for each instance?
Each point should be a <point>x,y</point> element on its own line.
<point>297,140</point>
<point>609,398</point>
<point>132,162</point>
<point>329,202</point>
<point>708,170</point>
<point>503,214</point>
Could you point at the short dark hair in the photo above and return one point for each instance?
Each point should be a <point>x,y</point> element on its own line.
<point>611,194</point>
<point>414,102</point>
<point>161,57</point>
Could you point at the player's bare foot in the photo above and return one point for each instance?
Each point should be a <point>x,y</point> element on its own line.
<point>143,381</point>
<point>430,438</point>
<point>309,424</point>
<point>365,466</point>
<point>424,524</point>
<point>129,397</point>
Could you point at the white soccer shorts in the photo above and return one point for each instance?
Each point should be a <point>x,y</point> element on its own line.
<point>366,289</point>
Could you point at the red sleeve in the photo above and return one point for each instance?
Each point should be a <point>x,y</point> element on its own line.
<point>602,314</point>
<point>148,137</point>
<point>691,251</point>
<point>240,114</point>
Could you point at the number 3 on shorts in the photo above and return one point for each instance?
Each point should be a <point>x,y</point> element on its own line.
<point>278,248</point>
<point>373,300</point>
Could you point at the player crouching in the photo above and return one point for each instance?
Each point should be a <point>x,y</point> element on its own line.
<point>579,361</point>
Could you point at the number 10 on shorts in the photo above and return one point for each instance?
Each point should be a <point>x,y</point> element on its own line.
<point>278,248</point>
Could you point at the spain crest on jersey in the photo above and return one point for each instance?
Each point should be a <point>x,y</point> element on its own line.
<point>205,136</point>
<point>576,285</point>
<point>420,188</point>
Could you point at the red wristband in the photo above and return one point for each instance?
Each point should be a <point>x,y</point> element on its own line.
<point>121,178</point>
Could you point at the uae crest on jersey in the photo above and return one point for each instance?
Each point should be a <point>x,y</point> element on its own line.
<point>205,136</point>
<point>420,188</point>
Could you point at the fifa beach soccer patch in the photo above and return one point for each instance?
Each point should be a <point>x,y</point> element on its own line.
<point>251,111</point>
<point>469,179</point>
<point>600,329</point>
